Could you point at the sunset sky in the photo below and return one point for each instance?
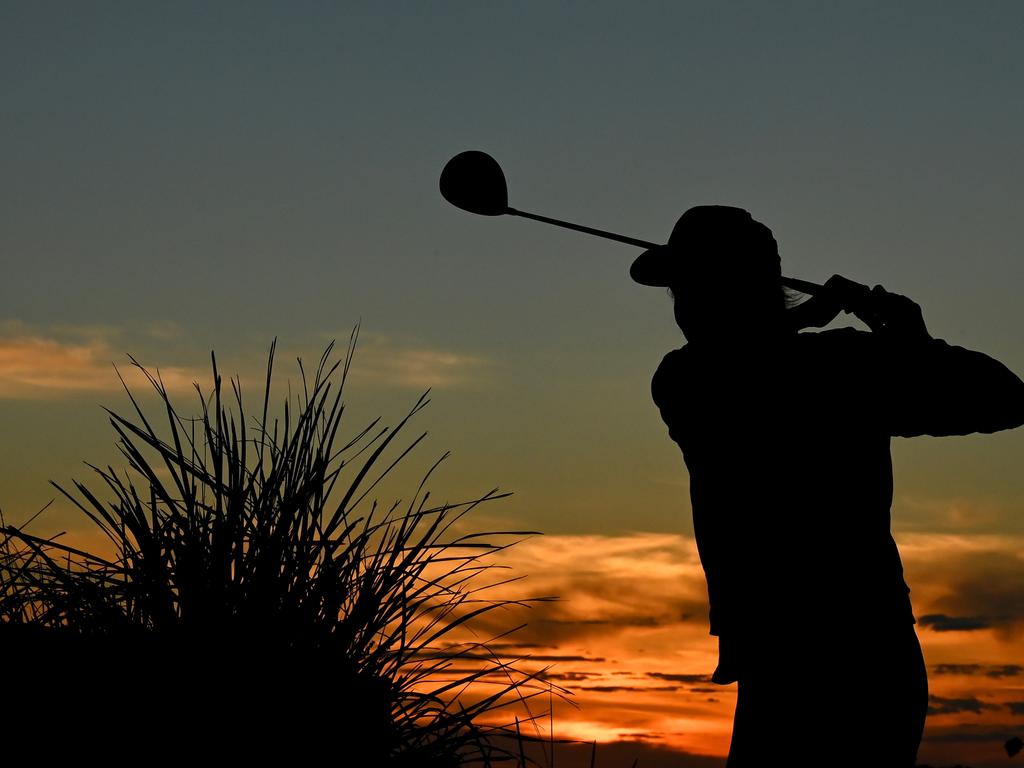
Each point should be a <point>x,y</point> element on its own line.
<point>184,177</point>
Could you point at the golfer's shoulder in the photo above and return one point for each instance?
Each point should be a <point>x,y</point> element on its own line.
<point>836,337</point>
<point>848,343</point>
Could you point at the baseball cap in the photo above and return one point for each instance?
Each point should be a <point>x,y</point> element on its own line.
<point>708,240</point>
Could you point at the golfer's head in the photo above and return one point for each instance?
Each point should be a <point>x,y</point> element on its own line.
<point>723,269</point>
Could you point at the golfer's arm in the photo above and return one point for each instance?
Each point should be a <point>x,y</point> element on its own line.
<point>944,389</point>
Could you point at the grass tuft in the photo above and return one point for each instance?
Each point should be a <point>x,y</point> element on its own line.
<point>254,599</point>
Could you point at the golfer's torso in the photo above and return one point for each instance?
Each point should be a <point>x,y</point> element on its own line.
<point>790,482</point>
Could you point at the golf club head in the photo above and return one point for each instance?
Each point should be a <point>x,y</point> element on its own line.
<point>474,182</point>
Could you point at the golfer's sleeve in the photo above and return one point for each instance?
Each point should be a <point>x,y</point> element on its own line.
<point>940,389</point>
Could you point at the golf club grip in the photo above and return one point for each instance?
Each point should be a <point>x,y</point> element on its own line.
<point>804,286</point>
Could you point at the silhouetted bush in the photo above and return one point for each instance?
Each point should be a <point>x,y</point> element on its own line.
<point>256,602</point>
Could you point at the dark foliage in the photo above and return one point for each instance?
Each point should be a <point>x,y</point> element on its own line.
<point>256,602</point>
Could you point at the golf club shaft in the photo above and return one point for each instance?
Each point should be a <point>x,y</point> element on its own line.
<point>804,286</point>
<point>581,228</point>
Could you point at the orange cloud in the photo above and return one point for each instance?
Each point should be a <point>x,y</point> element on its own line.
<point>383,361</point>
<point>36,367</point>
<point>629,637</point>
<point>67,361</point>
<point>966,583</point>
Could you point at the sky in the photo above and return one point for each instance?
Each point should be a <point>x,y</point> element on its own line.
<point>181,178</point>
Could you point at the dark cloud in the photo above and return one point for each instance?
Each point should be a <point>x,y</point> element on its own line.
<point>554,625</point>
<point>980,588</point>
<point>1004,670</point>
<point>940,622</point>
<point>639,751</point>
<point>1015,707</point>
<point>455,655</point>
<point>471,671</point>
<point>620,688</point>
<point>940,706</point>
<point>570,677</point>
<point>607,688</point>
<point>623,622</point>
<point>989,670</point>
<point>680,678</point>
<point>996,736</point>
<point>517,647</point>
<point>637,621</point>
<point>556,657</point>
<point>636,749</point>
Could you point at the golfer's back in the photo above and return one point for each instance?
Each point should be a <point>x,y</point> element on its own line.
<point>787,447</point>
<point>790,483</point>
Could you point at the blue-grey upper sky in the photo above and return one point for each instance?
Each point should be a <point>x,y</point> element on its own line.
<point>187,176</point>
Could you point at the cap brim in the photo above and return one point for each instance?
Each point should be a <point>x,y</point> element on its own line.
<point>653,267</point>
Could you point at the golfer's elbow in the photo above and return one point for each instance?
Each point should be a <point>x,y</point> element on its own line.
<point>1016,410</point>
<point>1005,400</point>
<point>982,394</point>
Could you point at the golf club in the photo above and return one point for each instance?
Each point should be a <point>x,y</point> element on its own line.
<point>474,182</point>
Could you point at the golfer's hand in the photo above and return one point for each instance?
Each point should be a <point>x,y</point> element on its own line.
<point>837,295</point>
<point>885,313</point>
<point>891,314</point>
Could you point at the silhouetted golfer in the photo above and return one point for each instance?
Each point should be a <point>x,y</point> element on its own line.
<point>786,439</point>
